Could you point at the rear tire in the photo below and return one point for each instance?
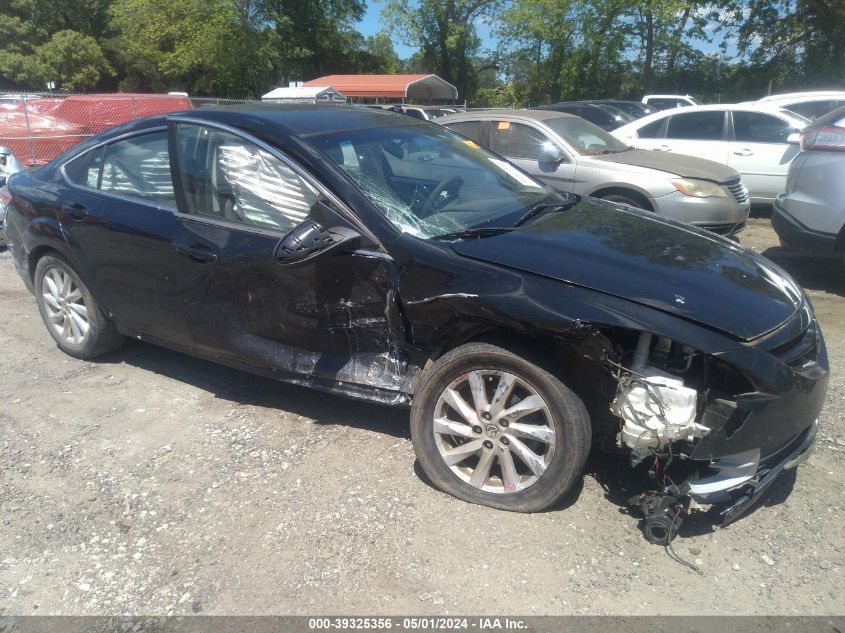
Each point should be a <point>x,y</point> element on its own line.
<point>495,428</point>
<point>69,312</point>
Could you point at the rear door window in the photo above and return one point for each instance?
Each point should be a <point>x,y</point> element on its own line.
<point>755,127</point>
<point>697,126</point>
<point>138,167</point>
<point>814,109</point>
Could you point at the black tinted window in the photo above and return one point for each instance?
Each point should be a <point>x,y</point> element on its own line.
<point>699,126</point>
<point>813,109</point>
<point>600,117</point>
<point>138,167</point>
<point>227,177</point>
<point>754,127</point>
<point>470,129</point>
<point>516,140</point>
<point>666,104</point>
<point>651,130</point>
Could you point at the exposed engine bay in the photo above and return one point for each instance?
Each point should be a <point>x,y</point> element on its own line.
<point>668,398</point>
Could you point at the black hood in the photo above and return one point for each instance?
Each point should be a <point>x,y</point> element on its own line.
<point>651,260</point>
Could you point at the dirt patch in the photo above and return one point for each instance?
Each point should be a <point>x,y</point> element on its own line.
<point>154,483</point>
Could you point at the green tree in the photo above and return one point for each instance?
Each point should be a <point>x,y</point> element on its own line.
<point>445,32</point>
<point>173,45</point>
<point>73,60</point>
<point>794,43</point>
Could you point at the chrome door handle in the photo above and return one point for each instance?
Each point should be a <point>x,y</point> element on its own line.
<point>744,152</point>
<point>664,148</point>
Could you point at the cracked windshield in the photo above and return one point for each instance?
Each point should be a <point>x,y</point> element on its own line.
<point>429,182</point>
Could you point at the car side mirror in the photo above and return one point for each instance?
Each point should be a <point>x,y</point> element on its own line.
<point>550,157</point>
<point>794,138</point>
<point>309,240</point>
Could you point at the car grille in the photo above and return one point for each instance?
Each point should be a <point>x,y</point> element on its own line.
<point>801,349</point>
<point>738,190</point>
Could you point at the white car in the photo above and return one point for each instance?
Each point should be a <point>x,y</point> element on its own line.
<point>667,102</point>
<point>757,141</point>
<point>810,213</point>
<point>808,104</point>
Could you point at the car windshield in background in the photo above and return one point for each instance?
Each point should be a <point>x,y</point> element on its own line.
<point>584,137</point>
<point>435,113</point>
<point>429,181</point>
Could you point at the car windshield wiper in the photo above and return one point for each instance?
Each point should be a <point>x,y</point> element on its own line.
<point>479,232</point>
<point>545,207</point>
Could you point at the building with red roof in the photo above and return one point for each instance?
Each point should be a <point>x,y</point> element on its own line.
<point>389,88</point>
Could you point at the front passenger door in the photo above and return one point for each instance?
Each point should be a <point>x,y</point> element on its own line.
<point>523,145</point>
<point>325,319</point>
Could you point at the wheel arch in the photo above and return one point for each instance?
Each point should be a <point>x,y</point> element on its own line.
<point>628,191</point>
<point>566,356</point>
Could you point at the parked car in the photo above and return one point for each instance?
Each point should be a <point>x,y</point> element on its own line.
<point>758,142</point>
<point>667,102</point>
<point>429,113</point>
<point>605,116</point>
<point>570,154</point>
<point>39,129</point>
<point>810,213</point>
<point>36,138</point>
<point>811,105</point>
<point>424,113</point>
<point>389,259</point>
<point>635,109</point>
<point>4,197</point>
<point>8,165</point>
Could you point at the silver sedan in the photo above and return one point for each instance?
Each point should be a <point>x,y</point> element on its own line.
<point>571,154</point>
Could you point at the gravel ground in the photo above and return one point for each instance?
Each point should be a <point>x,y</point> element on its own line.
<point>154,483</point>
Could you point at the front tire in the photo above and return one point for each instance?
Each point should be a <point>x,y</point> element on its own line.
<point>69,312</point>
<point>496,428</point>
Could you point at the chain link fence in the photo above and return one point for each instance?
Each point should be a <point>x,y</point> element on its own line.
<point>37,127</point>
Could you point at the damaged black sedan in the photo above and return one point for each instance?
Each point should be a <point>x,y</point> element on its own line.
<point>388,259</point>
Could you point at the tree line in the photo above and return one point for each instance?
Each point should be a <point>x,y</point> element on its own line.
<point>543,50</point>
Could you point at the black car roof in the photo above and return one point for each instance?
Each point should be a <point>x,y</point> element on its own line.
<point>301,119</point>
<point>298,120</point>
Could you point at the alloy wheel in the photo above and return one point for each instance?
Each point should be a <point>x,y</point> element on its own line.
<point>65,306</point>
<point>494,431</point>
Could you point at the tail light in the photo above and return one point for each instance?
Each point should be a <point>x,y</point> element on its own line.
<point>823,139</point>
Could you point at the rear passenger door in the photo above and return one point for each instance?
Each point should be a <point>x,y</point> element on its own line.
<point>523,145</point>
<point>760,153</point>
<point>118,215</point>
<point>700,134</point>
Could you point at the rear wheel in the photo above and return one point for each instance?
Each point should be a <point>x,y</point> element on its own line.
<point>70,313</point>
<point>492,427</point>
